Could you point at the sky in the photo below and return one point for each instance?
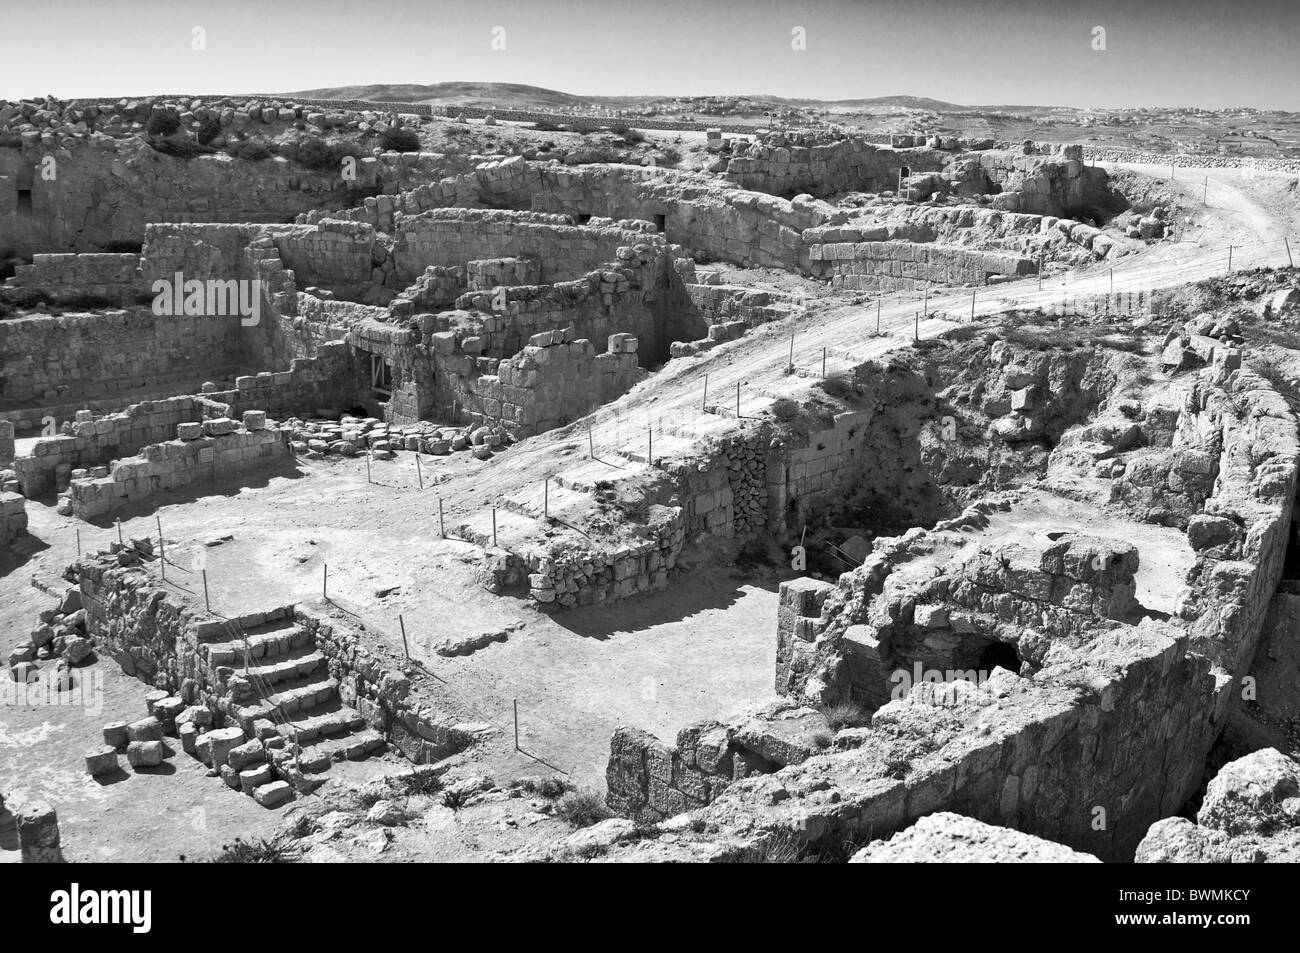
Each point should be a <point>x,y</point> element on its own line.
<point>985,52</point>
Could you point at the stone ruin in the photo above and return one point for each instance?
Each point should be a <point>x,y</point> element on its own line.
<point>1037,570</point>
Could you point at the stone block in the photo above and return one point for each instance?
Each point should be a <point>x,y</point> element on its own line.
<point>145,754</point>
<point>146,729</point>
<point>102,761</point>
<point>273,794</point>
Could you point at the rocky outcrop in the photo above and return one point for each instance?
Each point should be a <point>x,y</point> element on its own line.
<point>945,838</point>
<point>1250,814</point>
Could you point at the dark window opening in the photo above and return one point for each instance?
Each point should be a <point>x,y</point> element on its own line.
<point>24,201</point>
<point>661,222</point>
<point>999,655</point>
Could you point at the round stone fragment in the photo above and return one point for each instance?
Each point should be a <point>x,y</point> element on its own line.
<point>116,734</point>
<point>145,754</point>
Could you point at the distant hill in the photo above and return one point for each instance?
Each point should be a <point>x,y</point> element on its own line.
<point>504,95</point>
<point>520,96</point>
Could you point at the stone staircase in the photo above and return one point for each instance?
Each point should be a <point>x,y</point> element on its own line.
<point>278,684</point>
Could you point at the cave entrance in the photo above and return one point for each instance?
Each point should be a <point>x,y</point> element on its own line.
<point>999,655</point>
<point>661,223</point>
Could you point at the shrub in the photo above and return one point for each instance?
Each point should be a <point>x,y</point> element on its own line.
<point>17,300</point>
<point>897,769</point>
<point>785,409</point>
<point>549,788</point>
<point>419,782</point>
<point>250,150</point>
<point>400,140</point>
<point>628,133</point>
<point>259,852</point>
<point>581,808</point>
<point>209,129</point>
<point>162,122</point>
<point>454,799</point>
<point>822,740</point>
<point>780,847</point>
<point>845,715</point>
<point>184,149</point>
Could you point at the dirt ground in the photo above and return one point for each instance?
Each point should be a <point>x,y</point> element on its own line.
<point>704,650</point>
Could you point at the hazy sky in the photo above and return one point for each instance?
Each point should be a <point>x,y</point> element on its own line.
<point>1158,52</point>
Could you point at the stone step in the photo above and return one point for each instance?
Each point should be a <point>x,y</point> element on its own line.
<point>290,697</point>
<point>294,664</point>
<point>313,723</point>
<point>353,746</point>
<point>278,642</point>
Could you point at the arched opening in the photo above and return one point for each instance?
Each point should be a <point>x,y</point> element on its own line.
<point>999,655</point>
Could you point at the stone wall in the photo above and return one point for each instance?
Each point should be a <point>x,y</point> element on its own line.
<point>457,236</point>
<point>112,277</point>
<point>908,266</point>
<point>333,379</point>
<point>58,359</point>
<point>215,449</point>
<point>781,167</point>
<point>6,444</point>
<point>106,191</point>
<point>13,518</point>
<point>331,254</point>
<point>371,680</point>
<point>89,442</point>
<point>650,781</point>
<point>552,382</point>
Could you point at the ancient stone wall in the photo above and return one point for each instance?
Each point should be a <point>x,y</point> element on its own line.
<point>332,380</point>
<point>211,450</point>
<point>457,236</point>
<point>105,192</point>
<point>371,680</point>
<point>907,266</point>
<point>331,254</point>
<point>89,442</point>
<point>552,382</point>
<point>785,168</point>
<point>114,277</point>
<point>13,517</point>
<point>93,355</point>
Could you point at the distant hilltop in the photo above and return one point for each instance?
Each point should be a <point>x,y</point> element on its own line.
<point>517,95</point>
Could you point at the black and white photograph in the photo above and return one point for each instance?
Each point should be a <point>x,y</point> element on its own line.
<point>581,433</point>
